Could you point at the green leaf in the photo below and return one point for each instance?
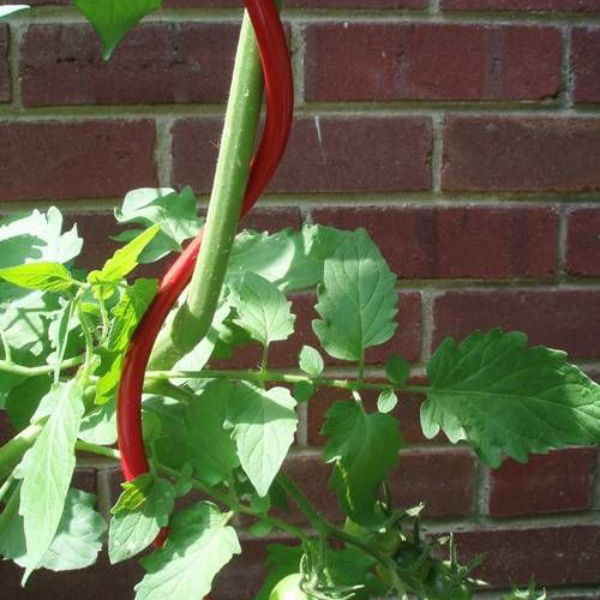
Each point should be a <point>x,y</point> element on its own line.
<point>127,314</point>
<point>200,355</point>
<point>397,369</point>
<point>99,426</point>
<point>48,467</point>
<point>357,302</point>
<point>124,260</point>
<point>282,561</point>
<point>291,260</point>
<point>50,277</point>
<point>131,531</point>
<point>311,361</point>
<point>79,536</point>
<point>171,448</point>
<point>23,399</point>
<point>112,19</point>
<point>37,237</point>
<point>212,448</point>
<point>506,398</point>
<point>174,213</point>
<point>303,391</point>
<point>264,425</point>
<point>134,494</point>
<point>200,544</point>
<point>263,310</point>
<point>364,448</point>
<point>77,542</point>
<point>5,11</point>
<point>387,401</point>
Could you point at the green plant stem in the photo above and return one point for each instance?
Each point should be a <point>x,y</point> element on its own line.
<point>321,524</point>
<point>96,449</point>
<point>193,319</point>
<point>10,367</point>
<point>10,508</point>
<point>6,486</point>
<point>237,506</point>
<point>274,376</point>
<point>13,450</point>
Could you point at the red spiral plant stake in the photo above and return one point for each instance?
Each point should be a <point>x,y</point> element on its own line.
<point>277,75</point>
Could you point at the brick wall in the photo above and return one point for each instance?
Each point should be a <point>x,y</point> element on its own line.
<point>464,134</point>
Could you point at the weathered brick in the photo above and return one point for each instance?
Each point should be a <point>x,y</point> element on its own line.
<point>6,429</point>
<point>585,64</point>
<point>425,242</point>
<point>526,5</point>
<point>70,160</point>
<point>583,243</point>
<point>442,479</point>
<point>557,482</point>
<point>407,412</point>
<point>155,63</point>
<point>4,68</point>
<point>84,479</point>
<point>565,319</point>
<point>94,583</point>
<point>514,154</point>
<point>431,62</point>
<point>96,229</point>
<point>551,556</point>
<point>325,154</point>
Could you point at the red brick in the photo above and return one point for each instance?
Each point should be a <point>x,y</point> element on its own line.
<point>157,63</point>
<point>94,583</point>
<point>96,230</point>
<point>4,68</point>
<point>6,429</point>
<point>431,62</point>
<point>537,5</point>
<point>565,319</point>
<point>513,154</point>
<point>272,219</point>
<point>443,479</point>
<point>583,243</point>
<point>483,242</point>
<point>557,482</point>
<point>51,160</point>
<point>85,479</point>
<point>355,154</point>
<point>585,59</point>
<point>552,555</point>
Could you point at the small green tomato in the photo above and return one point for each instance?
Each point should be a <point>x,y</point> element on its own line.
<point>289,588</point>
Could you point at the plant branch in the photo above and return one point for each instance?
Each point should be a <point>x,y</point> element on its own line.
<point>13,450</point>
<point>274,376</point>
<point>10,367</point>
<point>194,317</point>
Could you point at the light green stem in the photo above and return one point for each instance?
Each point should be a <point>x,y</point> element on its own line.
<point>274,376</point>
<point>10,367</point>
<point>194,317</point>
<point>13,450</point>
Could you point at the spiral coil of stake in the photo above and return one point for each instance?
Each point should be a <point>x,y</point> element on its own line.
<point>277,75</point>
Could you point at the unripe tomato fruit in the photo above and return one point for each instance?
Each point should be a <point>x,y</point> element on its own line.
<point>289,588</point>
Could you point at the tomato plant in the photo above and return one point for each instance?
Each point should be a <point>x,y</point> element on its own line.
<point>78,351</point>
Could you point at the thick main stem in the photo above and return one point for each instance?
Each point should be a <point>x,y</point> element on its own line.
<point>194,317</point>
